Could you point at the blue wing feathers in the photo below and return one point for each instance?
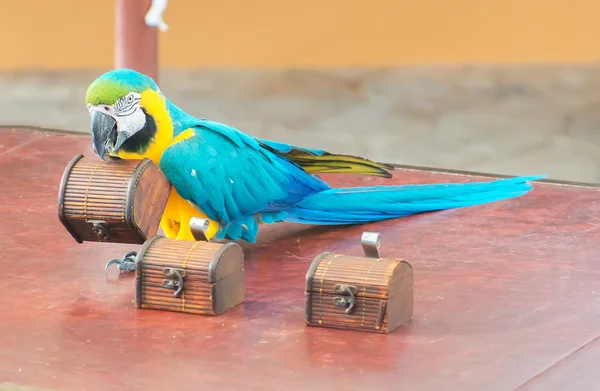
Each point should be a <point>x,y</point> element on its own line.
<point>234,183</point>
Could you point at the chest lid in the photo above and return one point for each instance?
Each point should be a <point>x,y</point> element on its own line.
<point>370,277</point>
<point>209,262</point>
<point>380,278</point>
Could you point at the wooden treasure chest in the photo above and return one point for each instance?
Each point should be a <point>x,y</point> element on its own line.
<point>117,201</point>
<point>359,293</point>
<point>197,277</point>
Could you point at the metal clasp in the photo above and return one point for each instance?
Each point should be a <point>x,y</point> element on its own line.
<point>179,274</point>
<point>371,241</point>
<point>100,229</point>
<point>348,300</point>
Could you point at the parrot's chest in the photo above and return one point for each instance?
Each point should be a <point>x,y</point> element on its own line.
<point>357,293</point>
<point>116,201</point>
<point>186,276</point>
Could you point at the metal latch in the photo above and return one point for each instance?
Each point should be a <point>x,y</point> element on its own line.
<point>177,285</point>
<point>348,300</point>
<point>100,229</point>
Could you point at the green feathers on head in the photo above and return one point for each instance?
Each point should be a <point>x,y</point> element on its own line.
<point>113,85</point>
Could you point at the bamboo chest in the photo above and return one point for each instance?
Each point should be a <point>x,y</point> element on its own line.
<point>189,276</point>
<point>359,293</point>
<point>117,201</point>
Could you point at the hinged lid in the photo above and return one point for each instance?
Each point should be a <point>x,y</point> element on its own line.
<point>213,261</point>
<point>330,274</point>
<point>370,276</point>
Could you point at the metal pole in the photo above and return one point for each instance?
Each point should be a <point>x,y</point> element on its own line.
<point>136,44</point>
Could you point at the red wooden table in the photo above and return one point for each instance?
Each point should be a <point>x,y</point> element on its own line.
<point>507,297</point>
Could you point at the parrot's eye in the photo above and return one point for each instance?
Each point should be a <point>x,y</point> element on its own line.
<point>130,98</point>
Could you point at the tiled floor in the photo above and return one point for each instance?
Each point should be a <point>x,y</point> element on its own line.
<point>508,120</point>
<point>506,298</point>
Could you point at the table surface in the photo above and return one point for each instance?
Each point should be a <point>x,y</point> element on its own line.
<point>507,297</point>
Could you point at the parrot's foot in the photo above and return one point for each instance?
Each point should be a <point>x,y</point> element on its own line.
<point>127,264</point>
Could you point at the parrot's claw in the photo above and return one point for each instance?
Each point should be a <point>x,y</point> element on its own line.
<point>127,264</point>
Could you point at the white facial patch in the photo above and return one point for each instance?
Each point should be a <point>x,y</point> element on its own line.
<point>126,112</point>
<point>132,122</point>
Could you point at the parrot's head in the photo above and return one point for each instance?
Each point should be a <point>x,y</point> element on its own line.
<point>129,115</point>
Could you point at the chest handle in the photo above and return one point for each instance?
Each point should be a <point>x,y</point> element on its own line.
<point>371,241</point>
<point>178,284</point>
<point>348,300</point>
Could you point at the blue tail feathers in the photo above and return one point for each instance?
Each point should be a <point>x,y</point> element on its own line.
<point>366,204</point>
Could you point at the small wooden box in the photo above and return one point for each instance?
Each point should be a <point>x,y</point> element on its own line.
<point>116,201</point>
<point>359,293</point>
<point>189,276</point>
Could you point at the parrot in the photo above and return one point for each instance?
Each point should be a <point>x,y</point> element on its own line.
<point>238,182</point>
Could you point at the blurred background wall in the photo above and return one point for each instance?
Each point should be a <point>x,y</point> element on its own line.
<point>506,87</point>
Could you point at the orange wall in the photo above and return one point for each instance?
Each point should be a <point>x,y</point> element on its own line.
<point>309,33</point>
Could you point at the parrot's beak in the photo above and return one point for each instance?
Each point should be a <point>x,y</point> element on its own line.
<point>104,133</point>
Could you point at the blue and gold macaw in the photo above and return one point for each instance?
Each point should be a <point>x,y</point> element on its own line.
<point>238,181</point>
